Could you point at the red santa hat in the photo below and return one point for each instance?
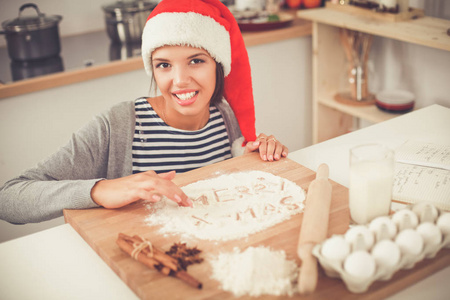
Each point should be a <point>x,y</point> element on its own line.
<point>206,24</point>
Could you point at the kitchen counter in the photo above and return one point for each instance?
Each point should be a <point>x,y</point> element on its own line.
<point>58,263</point>
<point>89,56</point>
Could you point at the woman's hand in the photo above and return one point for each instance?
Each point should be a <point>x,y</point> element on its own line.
<point>147,186</point>
<point>269,147</point>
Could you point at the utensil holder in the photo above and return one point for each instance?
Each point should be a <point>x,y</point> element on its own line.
<point>356,47</point>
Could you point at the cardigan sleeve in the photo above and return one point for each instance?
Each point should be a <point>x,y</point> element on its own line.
<point>231,123</point>
<point>62,181</point>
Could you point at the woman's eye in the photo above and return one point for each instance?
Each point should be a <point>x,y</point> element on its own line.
<point>162,65</point>
<point>196,61</point>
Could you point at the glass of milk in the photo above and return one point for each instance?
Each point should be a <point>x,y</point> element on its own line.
<point>371,178</point>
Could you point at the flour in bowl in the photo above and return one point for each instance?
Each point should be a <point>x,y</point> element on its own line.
<point>256,271</point>
<point>230,206</point>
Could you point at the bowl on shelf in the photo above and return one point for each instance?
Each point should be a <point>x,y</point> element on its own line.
<point>395,101</point>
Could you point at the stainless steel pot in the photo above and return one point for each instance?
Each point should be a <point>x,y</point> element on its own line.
<point>33,68</point>
<point>118,51</point>
<point>32,37</point>
<point>125,20</point>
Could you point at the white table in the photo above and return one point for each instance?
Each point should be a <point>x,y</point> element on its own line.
<point>430,124</point>
<point>58,264</point>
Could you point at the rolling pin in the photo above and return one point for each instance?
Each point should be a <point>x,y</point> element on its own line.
<point>314,228</point>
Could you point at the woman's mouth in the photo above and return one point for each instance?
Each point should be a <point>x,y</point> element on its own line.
<point>186,98</point>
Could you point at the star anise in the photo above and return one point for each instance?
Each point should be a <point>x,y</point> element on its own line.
<point>185,256</point>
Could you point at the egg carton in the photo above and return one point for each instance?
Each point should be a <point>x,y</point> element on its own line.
<point>403,229</point>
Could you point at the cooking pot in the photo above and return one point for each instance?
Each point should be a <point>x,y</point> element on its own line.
<point>122,51</point>
<point>125,20</point>
<point>32,37</point>
<point>33,68</point>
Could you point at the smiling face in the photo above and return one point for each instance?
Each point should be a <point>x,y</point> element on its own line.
<point>186,78</point>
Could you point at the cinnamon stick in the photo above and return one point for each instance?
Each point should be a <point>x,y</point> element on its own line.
<point>157,254</point>
<point>188,279</point>
<point>155,259</point>
<point>141,257</point>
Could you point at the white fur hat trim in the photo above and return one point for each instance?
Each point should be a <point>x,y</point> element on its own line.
<point>236,148</point>
<point>203,32</point>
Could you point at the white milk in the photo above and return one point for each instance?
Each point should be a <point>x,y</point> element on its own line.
<point>370,190</point>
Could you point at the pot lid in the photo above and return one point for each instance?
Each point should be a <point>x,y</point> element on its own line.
<point>30,22</point>
<point>121,7</point>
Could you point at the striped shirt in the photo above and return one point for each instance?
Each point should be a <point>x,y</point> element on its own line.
<point>162,148</point>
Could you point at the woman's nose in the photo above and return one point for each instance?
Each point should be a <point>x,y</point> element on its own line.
<point>181,76</point>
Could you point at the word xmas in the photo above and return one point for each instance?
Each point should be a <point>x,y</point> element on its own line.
<point>250,202</point>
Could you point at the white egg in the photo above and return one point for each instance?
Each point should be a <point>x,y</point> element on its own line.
<point>386,253</point>
<point>430,233</point>
<point>360,264</point>
<point>426,212</point>
<point>335,248</point>
<point>444,223</point>
<point>405,218</point>
<point>360,237</point>
<point>383,227</point>
<point>409,241</point>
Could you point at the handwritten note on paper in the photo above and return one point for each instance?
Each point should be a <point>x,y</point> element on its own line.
<point>424,154</point>
<point>413,183</point>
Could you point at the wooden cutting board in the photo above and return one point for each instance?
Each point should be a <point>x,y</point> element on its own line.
<point>100,227</point>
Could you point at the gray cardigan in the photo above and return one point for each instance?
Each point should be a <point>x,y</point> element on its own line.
<point>99,150</point>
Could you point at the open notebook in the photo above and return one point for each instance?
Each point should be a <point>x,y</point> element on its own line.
<point>422,173</point>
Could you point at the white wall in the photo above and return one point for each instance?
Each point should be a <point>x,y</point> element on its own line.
<point>419,69</point>
<point>282,84</point>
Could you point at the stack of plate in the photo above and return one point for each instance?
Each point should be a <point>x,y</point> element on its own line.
<point>395,101</point>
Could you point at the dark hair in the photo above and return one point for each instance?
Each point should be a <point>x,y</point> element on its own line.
<point>220,83</point>
<point>153,86</point>
<point>218,91</point>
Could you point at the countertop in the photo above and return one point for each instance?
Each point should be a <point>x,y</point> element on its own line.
<point>91,55</point>
<point>57,263</point>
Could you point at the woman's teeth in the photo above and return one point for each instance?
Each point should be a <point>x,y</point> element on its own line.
<point>185,96</point>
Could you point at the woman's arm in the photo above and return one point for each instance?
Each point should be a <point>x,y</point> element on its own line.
<point>92,170</point>
<point>62,181</point>
<point>147,186</point>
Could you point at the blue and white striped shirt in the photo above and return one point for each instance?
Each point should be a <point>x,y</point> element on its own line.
<point>162,148</point>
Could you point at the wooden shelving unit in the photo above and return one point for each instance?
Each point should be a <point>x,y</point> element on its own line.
<point>330,118</point>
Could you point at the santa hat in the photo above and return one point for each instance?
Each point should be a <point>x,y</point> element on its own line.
<point>206,24</point>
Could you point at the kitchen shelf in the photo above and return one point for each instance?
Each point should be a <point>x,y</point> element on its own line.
<point>331,118</point>
<point>299,28</point>
<point>370,112</point>
<point>426,31</point>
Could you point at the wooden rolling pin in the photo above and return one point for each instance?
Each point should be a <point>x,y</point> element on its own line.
<point>314,228</point>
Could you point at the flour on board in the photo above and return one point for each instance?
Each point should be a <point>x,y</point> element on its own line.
<point>255,271</point>
<point>230,206</point>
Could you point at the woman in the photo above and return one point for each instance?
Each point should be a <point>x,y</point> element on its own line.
<point>195,53</point>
